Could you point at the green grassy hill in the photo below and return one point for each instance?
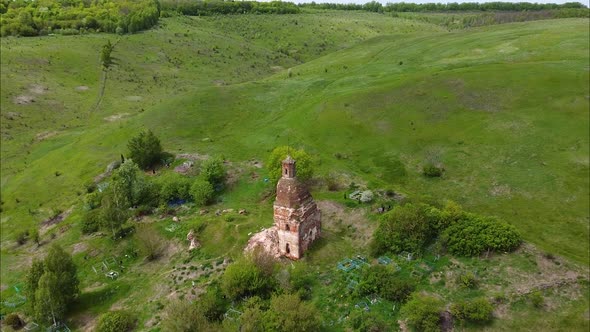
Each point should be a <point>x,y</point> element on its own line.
<point>504,109</point>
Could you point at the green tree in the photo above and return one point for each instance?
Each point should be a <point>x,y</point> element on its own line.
<point>60,263</point>
<point>423,313</point>
<point>303,163</point>
<point>213,171</point>
<point>111,215</point>
<point>32,283</point>
<point>50,306</point>
<point>201,192</point>
<point>145,149</point>
<point>106,58</point>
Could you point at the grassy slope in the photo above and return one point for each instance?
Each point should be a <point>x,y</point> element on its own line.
<point>504,108</point>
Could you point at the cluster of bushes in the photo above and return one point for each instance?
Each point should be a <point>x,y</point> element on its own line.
<point>270,299</point>
<point>412,227</point>
<point>116,321</point>
<point>129,191</point>
<point>33,18</point>
<point>217,7</point>
<point>382,280</point>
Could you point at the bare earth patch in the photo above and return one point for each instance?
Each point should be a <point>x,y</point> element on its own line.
<point>37,89</point>
<point>23,100</point>
<point>45,135</point>
<point>133,98</point>
<point>46,224</point>
<point>82,88</point>
<point>115,117</point>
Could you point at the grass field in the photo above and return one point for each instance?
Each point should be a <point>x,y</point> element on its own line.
<point>504,108</point>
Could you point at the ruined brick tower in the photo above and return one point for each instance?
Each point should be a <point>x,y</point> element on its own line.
<point>296,215</point>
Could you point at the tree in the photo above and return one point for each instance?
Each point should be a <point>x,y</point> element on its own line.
<point>52,285</point>
<point>112,216</point>
<point>61,264</point>
<point>51,305</point>
<point>105,55</point>
<point>304,163</point>
<point>201,192</point>
<point>213,171</point>
<point>423,313</point>
<point>32,283</point>
<point>145,149</point>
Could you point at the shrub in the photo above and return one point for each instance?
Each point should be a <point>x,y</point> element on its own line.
<point>467,280</point>
<point>244,278</point>
<point>474,234</point>
<point>115,321</point>
<point>22,237</point>
<point>288,313</point>
<point>14,321</point>
<point>536,299</point>
<point>212,304</point>
<point>366,322</point>
<point>475,311</point>
<point>174,186</point>
<point>201,192</point>
<point>145,149</point>
<point>405,228</point>
<point>91,221</point>
<point>379,279</point>
<point>213,171</point>
<point>423,313</point>
<point>150,242</point>
<point>432,171</point>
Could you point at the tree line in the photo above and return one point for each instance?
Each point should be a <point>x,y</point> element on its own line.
<point>34,18</point>
<point>377,7</point>
<point>218,7</point>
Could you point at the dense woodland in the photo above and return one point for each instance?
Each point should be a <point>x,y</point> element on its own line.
<point>34,18</point>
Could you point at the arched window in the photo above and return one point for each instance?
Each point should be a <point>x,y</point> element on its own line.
<point>285,171</point>
<point>287,228</point>
<point>287,249</point>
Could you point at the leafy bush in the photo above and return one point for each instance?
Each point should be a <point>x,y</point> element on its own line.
<point>115,321</point>
<point>244,278</point>
<point>475,311</point>
<point>288,313</point>
<point>432,171</point>
<point>467,280</point>
<point>201,192</point>
<point>91,221</point>
<point>474,234</point>
<point>423,313</point>
<point>151,243</point>
<point>213,171</point>
<point>379,279</point>
<point>536,299</point>
<point>174,186</point>
<point>14,321</point>
<point>145,149</point>
<point>405,228</point>
<point>213,304</point>
<point>22,237</point>
<point>366,322</point>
